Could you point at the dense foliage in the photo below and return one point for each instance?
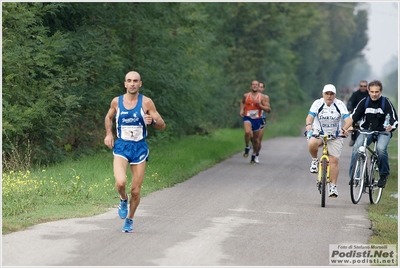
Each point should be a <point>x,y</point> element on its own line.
<point>64,62</point>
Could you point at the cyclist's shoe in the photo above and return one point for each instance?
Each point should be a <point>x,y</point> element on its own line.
<point>356,182</point>
<point>351,143</point>
<point>128,226</point>
<point>333,191</point>
<point>314,166</point>
<point>123,208</point>
<point>246,152</point>
<point>382,181</point>
<point>253,159</point>
<point>256,160</point>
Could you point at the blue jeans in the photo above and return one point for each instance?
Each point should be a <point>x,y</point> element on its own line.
<point>381,148</point>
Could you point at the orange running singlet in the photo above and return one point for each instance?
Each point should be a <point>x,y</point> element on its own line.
<point>250,108</point>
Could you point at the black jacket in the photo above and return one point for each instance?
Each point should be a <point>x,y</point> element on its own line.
<point>373,117</point>
<point>355,98</point>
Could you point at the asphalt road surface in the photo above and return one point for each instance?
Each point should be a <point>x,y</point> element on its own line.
<point>233,214</point>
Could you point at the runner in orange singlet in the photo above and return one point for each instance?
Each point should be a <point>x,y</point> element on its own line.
<point>251,108</point>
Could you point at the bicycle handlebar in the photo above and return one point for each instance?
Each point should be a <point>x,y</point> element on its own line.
<point>329,137</point>
<point>321,136</point>
<point>369,132</point>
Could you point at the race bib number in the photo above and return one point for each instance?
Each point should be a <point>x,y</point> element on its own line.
<point>252,114</point>
<point>132,133</point>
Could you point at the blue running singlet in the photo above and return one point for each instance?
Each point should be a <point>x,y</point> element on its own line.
<point>131,132</point>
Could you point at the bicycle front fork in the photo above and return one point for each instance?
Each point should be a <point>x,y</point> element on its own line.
<point>324,160</point>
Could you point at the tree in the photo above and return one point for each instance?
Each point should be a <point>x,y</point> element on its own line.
<point>36,108</point>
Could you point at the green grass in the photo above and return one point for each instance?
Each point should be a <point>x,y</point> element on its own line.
<point>86,187</point>
<point>384,215</point>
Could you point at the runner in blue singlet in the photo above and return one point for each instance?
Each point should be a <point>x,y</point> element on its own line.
<point>132,112</point>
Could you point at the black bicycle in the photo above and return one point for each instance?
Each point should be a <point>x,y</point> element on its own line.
<point>363,178</point>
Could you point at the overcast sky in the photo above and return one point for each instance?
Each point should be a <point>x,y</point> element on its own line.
<point>383,35</point>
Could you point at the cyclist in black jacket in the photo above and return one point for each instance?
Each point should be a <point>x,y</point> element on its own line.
<point>355,98</point>
<point>372,112</point>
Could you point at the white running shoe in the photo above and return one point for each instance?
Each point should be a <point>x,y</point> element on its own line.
<point>314,166</point>
<point>333,191</point>
<point>256,160</point>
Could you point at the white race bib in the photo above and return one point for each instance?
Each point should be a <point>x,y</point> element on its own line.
<point>252,114</point>
<point>132,133</point>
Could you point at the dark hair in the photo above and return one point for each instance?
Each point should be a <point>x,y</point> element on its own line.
<point>375,83</point>
<point>261,82</point>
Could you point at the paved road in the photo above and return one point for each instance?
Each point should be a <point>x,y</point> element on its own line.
<point>234,214</point>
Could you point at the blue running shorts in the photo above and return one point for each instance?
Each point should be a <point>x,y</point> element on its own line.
<point>256,124</point>
<point>133,152</point>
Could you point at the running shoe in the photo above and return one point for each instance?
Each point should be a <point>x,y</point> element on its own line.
<point>256,160</point>
<point>333,191</point>
<point>128,226</point>
<point>253,159</point>
<point>314,166</point>
<point>246,152</point>
<point>123,208</point>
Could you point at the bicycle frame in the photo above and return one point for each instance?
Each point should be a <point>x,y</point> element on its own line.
<point>372,151</point>
<point>324,155</point>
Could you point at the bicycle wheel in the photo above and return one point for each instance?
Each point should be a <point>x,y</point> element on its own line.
<point>357,179</point>
<point>375,193</point>
<point>323,181</point>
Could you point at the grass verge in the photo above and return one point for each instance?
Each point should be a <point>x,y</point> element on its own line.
<point>384,215</point>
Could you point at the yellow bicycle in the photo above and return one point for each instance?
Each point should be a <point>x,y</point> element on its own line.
<point>324,169</point>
